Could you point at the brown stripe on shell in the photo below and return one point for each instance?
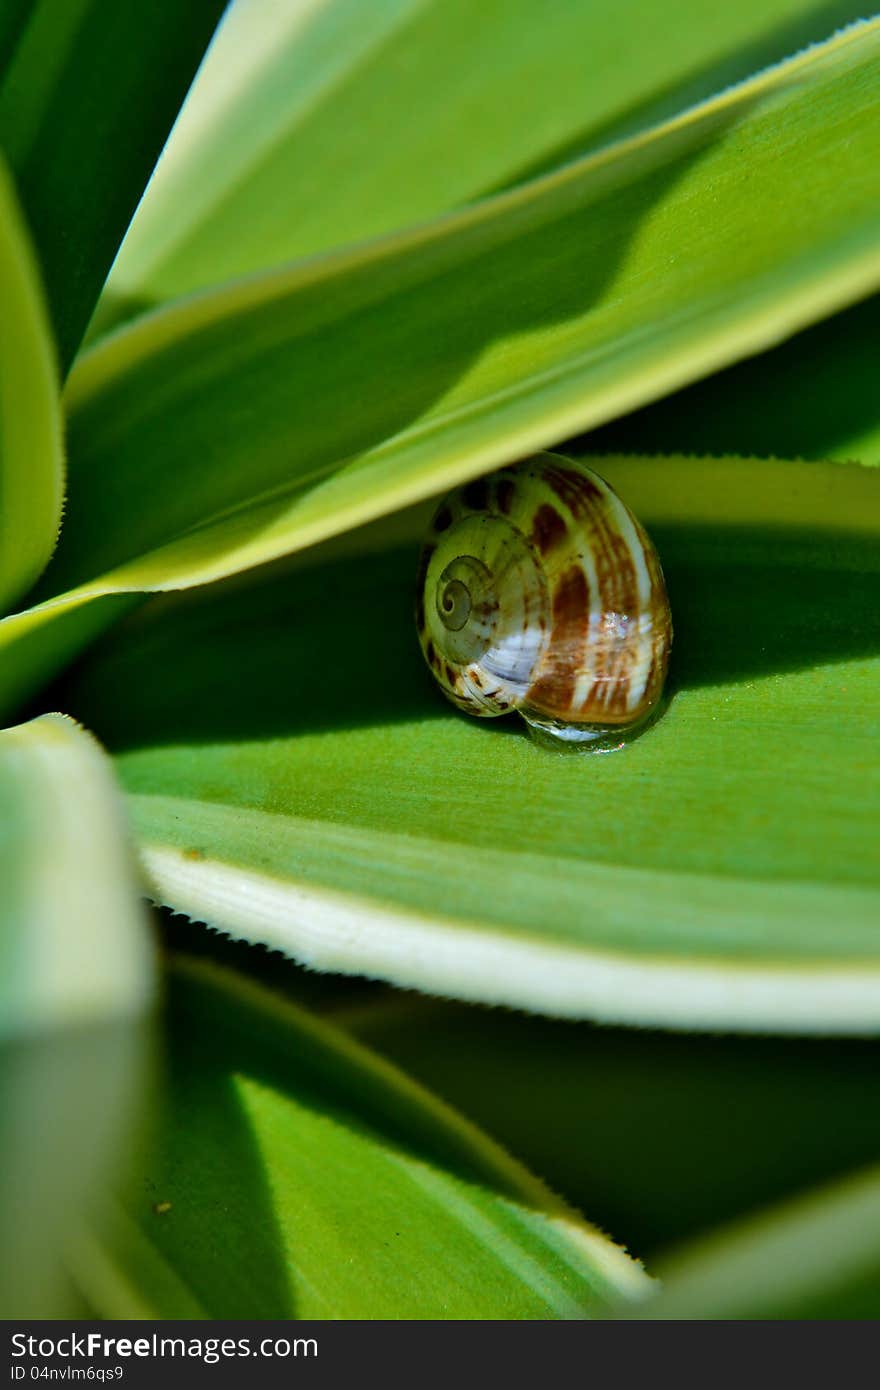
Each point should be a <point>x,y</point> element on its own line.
<point>615,568</point>
<point>616,686</point>
<point>614,657</point>
<point>618,654</point>
<point>612,697</point>
<point>553,691</point>
<point>548,528</point>
<point>576,491</point>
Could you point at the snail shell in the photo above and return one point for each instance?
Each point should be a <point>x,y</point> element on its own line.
<point>539,591</point>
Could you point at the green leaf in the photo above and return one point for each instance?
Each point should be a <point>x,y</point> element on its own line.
<point>242,425</point>
<point>31,468</point>
<point>658,1135</point>
<point>72,939</point>
<point>86,101</point>
<point>295,776</point>
<point>292,139</point>
<point>816,1257</point>
<point>344,1189</point>
<point>76,979</point>
<point>814,398</point>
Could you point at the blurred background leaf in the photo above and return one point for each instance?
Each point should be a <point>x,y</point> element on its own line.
<point>344,1189</point>
<point>75,985</point>
<point>88,92</point>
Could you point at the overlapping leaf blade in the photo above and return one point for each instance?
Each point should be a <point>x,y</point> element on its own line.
<point>246,424</point>
<point>815,1257</point>
<point>292,140</point>
<point>73,941</point>
<point>342,1187</point>
<point>88,93</point>
<point>295,777</point>
<point>31,469</point>
<point>75,983</point>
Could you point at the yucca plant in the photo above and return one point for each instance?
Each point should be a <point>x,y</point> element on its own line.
<point>388,248</point>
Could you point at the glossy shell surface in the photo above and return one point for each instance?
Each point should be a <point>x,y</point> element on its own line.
<point>539,591</point>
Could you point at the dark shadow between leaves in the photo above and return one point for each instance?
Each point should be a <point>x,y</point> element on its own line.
<point>757,601</point>
<point>13,18</point>
<point>656,1135</point>
<point>333,646</point>
<point>809,398</point>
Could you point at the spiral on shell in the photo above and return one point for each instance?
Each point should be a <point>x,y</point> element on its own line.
<point>539,591</point>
